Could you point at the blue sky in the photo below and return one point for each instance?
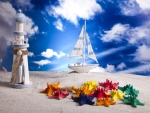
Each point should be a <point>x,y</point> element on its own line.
<point>119,31</point>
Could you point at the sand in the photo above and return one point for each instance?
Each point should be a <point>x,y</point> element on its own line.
<point>29,100</point>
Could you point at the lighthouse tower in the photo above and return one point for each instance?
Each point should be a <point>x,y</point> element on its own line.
<point>20,71</point>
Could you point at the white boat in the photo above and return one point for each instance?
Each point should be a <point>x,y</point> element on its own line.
<point>79,51</point>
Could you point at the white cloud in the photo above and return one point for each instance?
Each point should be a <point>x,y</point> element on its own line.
<point>30,54</point>
<point>144,4</point>
<point>73,10</point>
<point>135,35</point>
<point>116,33</point>
<point>42,62</point>
<point>110,51</point>
<point>7,20</point>
<point>110,68</point>
<point>129,7</point>
<point>134,7</point>
<point>50,53</point>
<point>58,24</point>
<point>24,4</point>
<point>121,66</point>
<point>30,27</point>
<point>139,34</point>
<point>98,69</point>
<point>141,69</point>
<point>142,53</point>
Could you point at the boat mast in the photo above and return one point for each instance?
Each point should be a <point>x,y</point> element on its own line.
<point>84,35</point>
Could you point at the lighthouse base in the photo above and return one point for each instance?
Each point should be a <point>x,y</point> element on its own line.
<point>20,86</point>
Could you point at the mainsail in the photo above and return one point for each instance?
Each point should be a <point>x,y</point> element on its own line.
<point>78,48</point>
<point>90,50</point>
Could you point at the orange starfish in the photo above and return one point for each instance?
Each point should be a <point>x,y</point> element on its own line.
<point>77,90</point>
<point>105,101</point>
<point>51,88</point>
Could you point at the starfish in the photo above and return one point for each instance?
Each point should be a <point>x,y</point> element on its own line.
<point>83,89</point>
<point>108,85</point>
<point>91,85</point>
<point>100,93</point>
<point>125,87</point>
<point>105,101</point>
<point>117,95</point>
<point>77,90</point>
<point>51,88</point>
<point>129,90</point>
<point>59,94</point>
<point>86,90</point>
<point>84,99</point>
<point>132,100</point>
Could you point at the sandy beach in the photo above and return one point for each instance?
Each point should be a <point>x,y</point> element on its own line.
<point>29,100</point>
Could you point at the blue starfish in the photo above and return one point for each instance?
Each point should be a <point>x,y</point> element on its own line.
<point>84,99</point>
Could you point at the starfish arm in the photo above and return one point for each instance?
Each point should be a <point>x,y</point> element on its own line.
<point>127,101</point>
<point>139,103</point>
<point>100,102</point>
<point>75,99</point>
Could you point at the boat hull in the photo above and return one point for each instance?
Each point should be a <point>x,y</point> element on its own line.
<point>83,68</point>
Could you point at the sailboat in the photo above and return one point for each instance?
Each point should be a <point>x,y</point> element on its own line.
<point>80,51</point>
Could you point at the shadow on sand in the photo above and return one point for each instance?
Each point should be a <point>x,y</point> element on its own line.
<point>72,72</point>
<point>4,84</point>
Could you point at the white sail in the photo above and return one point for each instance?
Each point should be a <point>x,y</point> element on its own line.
<point>78,48</point>
<point>90,50</point>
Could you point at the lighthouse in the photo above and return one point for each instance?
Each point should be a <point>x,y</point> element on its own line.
<point>20,71</point>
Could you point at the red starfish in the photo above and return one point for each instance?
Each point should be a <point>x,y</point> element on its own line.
<point>59,94</point>
<point>100,93</point>
<point>108,85</point>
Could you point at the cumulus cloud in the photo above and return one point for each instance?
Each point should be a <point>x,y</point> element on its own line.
<point>134,7</point>
<point>129,7</point>
<point>139,34</point>
<point>135,35</point>
<point>116,33</point>
<point>110,68</point>
<point>144,4</point>
<point>142,53</point>
<point>58,24</point>
<point>30,54</point>
<point>42,62</point>
<point>121,66</point>
<point>50,53</point>
<point>30,27</point>
<point>98,69</point>
<point>73,10</point>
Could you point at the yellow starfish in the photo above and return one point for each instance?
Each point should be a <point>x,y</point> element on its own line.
<point>91,85</point>
<point>117,95</point>
<point>86,90</point>
<point>105,101</point>
<point>51,88</point>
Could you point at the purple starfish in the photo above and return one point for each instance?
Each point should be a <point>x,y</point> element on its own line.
<point>84,99</point>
